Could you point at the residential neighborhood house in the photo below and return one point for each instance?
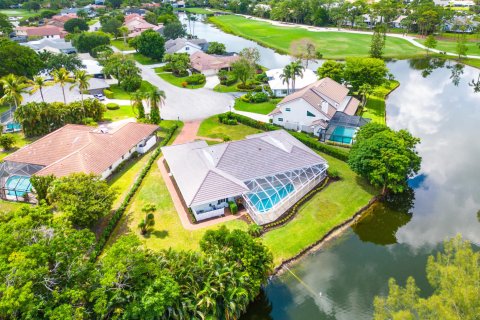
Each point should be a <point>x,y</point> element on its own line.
<point>311,108</point>
<point>51,45</point>
<point>209,64</point>
<point>181,45</point>
<point>72,149</point>
<point>47,31</point>
<point>279,86</point>
<point>267,173</point>
<point>136,25</point>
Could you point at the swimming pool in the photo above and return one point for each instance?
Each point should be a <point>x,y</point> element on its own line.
<point>265,200</point>
<point>342,134</point>
<point>18,185</point>
<point>13,127</point>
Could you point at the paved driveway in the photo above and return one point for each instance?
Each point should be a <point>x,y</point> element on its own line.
<point>187,104</point>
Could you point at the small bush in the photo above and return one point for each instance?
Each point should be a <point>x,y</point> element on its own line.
<point>109,94</point>
<point>7,141</point>
<point>112,106</point>
<point>262,77</point>
<point>260,97</point>
<point>255,230</point>
<point>245,87</point>
<point>226,138</point>
<point>184,84</point>
<point>233,207</point>
<point>334,174</point>
<point>196,78</point>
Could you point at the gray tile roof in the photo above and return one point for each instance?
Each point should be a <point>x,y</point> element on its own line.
<point>206,173</point>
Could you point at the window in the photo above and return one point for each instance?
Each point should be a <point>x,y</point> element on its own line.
<point>287,109</point>
<point>187,48</point>
<point>280,119</point>
<point>123,157</point>
<point>110,168</point>
<point>284,91</point>
<point>221,201</point>
<point>309,114</point>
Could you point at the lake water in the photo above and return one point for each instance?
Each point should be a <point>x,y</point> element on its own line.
<point>437,103</point>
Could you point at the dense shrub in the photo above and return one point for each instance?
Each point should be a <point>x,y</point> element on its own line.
<point>131,84</point>
<point>196,78</point>
<point>38,119</point>
<point>245,87</point>
<point>227,118</point>
<point>259,97</point>
<point>7,141</point>
<point>233,207</point>
<point>95,52</point>
<point>109,94</point>
<point>112,106</point>
<point>341,154</point>
<point>262,77</point>
<point>227,78</point>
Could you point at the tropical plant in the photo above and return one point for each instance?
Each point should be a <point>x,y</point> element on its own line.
<point>286,76</point>
<point>216,48</point>
<point>81,80</point>
<point>151,44</point>
<point>124,32</point>
<point>243,70</point>
<point>38,83</point>
<point>13,86</point>
<point>296,69</point>
<point>156,98</point>
<point>136,101</point>
<point>331,69</point>
<point>62,77</point>
<point>149,220</point>
<point>40,186</point>
<point>7,141</point>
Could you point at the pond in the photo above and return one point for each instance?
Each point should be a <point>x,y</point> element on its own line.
<point>438,102</point>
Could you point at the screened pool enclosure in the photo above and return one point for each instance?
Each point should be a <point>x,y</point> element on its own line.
<point>342,128</point>
<point>269,197</point>
<point>15,181</point>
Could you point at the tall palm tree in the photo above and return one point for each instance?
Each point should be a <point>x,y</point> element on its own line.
<point>81,80</point>
<point>38,83</point>
<point>136,100</point>
<point>286,76</point>
<point>62,77</point>
<point>124,31</point>
<point>296,69</point>
<point>156,98</point>
<point>13,87</point>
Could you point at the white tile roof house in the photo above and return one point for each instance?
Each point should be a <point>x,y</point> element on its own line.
<point>268,172</point>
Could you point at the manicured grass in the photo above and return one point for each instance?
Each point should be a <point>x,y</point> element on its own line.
<point>195,10</point>
<point>8,206</point>
<point>20,13</point>
<point>92,21</point>
<point>120,45</point>
<point>212,128</point>
<point>472,62</point>
<point>375,107</point>
<point>140,58</point>
<point>451,46</point>
<point>119,93</point>
<point>20,141</point>
<point>333,45</point>
<point>176,81</point>
<point>226,89</point>
<point>327,209</point>
<point>124,112</point>
<point>262,108</point>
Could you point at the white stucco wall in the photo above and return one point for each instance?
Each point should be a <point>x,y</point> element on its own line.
<point>126,156</point>
<point>212,213</point>
<point>297,117</point>
<point>188,49</point>
<point>142,148</point>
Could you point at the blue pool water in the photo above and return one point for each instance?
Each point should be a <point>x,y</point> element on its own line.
<point>265,200</point>
<point>13,127</point>
<point>18,185</point>
<point>342,134</point>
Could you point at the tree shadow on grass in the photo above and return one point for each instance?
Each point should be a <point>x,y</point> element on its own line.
<point>162,234</point>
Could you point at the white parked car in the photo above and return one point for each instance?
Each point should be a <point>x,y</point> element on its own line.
<point>99,97</point>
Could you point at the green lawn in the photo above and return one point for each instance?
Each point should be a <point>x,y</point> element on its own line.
<point>333,45</point>
<point>92,21</point>
<point>375,107</point>
<point>212,128</point>
<point>140,58</point>
<point>176,81</point>
<point>124,112</point>
<point>262,108</point>
<point>451,46</point>
<point>119,93</point>
<point>226,89</point>
<point>195,10</point>
<point>120,45</point>
<point>327,209</point>
<point>20,13</point>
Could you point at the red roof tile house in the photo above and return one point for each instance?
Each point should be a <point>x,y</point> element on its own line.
<point>47,31</point>
<point>211,64</point>
<point>59,20</point>
<point>71,149</point>
<point>136,25</point>
<point>311,108</point>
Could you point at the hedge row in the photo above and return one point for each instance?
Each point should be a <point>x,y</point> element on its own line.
<point>123,207</point>
<point>294,209</point>
<point>341,154</point>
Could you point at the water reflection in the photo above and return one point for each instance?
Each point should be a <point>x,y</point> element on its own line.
<point>380,223</point>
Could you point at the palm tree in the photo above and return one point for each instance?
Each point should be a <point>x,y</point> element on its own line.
<point>38,83</point>
<point>296,69</point>
<point>81,80</point>
<point>124,31</point>
<point>136,99</point>
<point>62,77</point>
<point>13,87</point>
<point>156,98</point>
<point>286,76</point>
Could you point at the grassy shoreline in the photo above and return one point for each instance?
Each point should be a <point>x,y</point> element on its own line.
<point>375,108</point>
<point>332,44</point>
